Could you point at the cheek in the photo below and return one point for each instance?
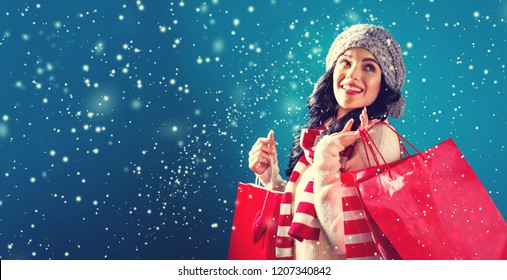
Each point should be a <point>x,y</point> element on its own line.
<point>335,83</point>
<point>374,84</point>
<point>337,77</point>
<point>373,90</point>
<point>377,87</point>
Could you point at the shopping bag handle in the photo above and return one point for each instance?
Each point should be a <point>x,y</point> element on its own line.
<point>367,141</point>
<point>259,225</point>
<point>402,138</point>
<point>271,162</point>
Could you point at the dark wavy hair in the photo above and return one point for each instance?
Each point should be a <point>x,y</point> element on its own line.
<point>322,106</point>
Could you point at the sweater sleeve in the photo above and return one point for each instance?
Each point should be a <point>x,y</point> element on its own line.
<point>327,183</point>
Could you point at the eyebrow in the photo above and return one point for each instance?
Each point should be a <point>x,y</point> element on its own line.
<point>364,59</point>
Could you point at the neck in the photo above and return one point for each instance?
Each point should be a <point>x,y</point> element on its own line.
<point>341,112</point>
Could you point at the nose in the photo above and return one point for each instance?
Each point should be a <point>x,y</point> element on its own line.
<point>354,72</point>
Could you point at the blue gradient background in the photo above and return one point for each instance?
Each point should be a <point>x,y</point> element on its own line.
<point>156,140</point>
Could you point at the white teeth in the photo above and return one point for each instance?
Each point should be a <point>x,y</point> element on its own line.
<point>347,87</point>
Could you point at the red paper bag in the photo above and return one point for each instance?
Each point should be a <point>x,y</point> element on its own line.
<point>432,206</point>
<point>383,247</point>
<point>256,213</point>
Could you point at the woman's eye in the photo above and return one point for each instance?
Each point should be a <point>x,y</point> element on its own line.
<point>370,67</point>
<point>344,62</point>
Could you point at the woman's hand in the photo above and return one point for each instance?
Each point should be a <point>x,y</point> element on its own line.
<point>337,142</point>
<point>347,137</point>
<point>262,150</point>
<point>365,124</point>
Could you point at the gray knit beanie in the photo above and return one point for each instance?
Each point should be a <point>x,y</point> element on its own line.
<point>385,49</point>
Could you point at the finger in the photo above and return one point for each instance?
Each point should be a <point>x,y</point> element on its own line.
<point>263,148</point>
<point>354,135</point>
<point>348,126</point>
<point>254,166</point>
<point>255,156</point>
<point>364,117</point>
<point>257,165</point>
<point>258,168</point>
<point>337,135</point>
<point>266,140</point>
<point>262,142</point>
<point>261,157</point>
<point>372,123</point>
<point>257,145</point>
<point>271,138</point>
<point>345,139</point>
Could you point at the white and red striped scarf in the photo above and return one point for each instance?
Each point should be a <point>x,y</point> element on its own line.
<point>305,224</point>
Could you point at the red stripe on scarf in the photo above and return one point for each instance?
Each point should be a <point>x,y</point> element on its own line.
<point>294,176</point>
<point>307,208</point>
<point>309,137</point>
<point>286,198</point>
<point>284,242</point>
<point>311,153</point>
<point>356,226</point>
<point>351,203</point>
<point>304,160</point>
<point>309,187</point>
<point>301,231</point>
<point>284,220</point>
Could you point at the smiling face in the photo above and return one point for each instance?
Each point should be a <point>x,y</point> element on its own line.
<point>356,80</point>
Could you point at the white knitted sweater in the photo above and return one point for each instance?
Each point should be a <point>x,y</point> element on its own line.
<point>327,184</point>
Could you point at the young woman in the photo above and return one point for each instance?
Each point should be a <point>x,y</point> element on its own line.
<point>362,84</point>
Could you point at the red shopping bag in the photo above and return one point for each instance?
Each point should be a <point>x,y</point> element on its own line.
<point>255,219</point>
<point>381,246</point>
<point>432,206</point>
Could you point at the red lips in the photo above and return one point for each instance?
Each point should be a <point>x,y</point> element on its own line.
<point>351,89</point>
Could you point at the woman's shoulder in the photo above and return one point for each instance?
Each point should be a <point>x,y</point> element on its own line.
<point>385,139</point>
<point>382,133</point>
